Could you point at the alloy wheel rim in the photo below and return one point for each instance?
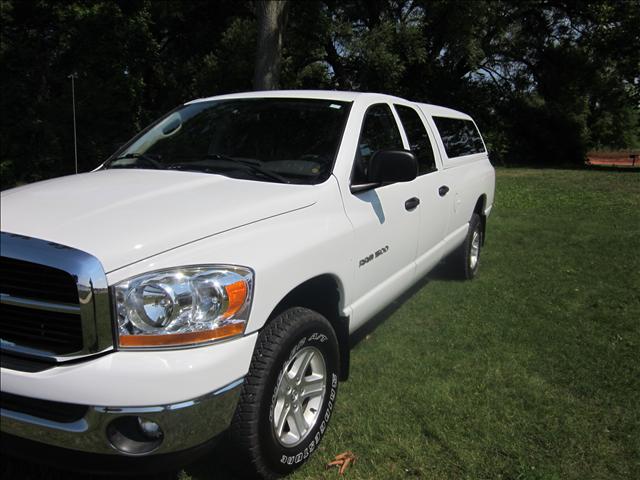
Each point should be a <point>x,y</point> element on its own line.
<point>474,254</point>
<point>299,396</point>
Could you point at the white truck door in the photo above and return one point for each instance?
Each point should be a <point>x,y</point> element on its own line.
<point>436,195</point>
<point>385,221</point>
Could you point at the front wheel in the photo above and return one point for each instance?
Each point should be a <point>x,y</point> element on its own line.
<point>288,395</point>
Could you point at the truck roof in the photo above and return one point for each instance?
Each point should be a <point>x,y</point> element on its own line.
<point>337,95</point>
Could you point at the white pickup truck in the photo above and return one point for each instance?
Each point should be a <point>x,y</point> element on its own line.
<point>206,278</point>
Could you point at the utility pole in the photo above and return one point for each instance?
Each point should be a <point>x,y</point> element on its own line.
<point>73,76</point>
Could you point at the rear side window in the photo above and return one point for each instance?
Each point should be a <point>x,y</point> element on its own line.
<point>460,137</point>
<point>379,132</point>
<point>418,138</point>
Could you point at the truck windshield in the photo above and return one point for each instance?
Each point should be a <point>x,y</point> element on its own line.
<point>287,140</point>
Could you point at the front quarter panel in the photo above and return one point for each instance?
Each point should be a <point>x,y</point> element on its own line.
<point>283,251</point>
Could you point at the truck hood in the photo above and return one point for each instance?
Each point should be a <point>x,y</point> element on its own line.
<point>123,216</point>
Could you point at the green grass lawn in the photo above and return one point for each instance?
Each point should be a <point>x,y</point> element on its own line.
<point>531,371</point>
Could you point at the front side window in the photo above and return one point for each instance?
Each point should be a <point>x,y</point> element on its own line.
<point>291,140</point>
<point>418,138</point>
<point>460,137</point>
<point>379,132</point>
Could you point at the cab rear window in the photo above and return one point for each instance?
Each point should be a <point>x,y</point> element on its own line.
<point>460,137</point>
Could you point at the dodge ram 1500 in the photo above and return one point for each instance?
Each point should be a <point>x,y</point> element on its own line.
<point>206,278</point>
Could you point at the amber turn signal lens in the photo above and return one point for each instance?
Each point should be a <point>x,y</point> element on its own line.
<point>237,294</point>
<point>188,338</point>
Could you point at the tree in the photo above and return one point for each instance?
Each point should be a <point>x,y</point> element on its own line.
<point>545,79</point>
<point>272,17</point>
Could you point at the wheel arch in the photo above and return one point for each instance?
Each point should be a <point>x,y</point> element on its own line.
<point>323,294</point>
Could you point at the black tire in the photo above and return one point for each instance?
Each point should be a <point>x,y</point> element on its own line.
<point>279,344</point>
<point>461,260</point>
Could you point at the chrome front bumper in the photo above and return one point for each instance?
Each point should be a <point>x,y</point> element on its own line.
<point>184,425</point>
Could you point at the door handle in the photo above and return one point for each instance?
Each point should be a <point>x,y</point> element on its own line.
<point>443,190</point>
<point>412,203</point>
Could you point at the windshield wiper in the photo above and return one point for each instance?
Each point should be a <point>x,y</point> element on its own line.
<point>256,167</point>
<point>226,162</point>
<point>194,167</point>
<point>222,156</point>
<point>135,156</point>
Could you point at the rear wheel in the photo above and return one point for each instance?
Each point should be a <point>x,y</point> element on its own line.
<point>465,261</point>
<point>288,395</point>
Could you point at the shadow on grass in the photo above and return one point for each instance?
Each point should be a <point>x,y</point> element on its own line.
<point>584,168</point>
<point>17,468</point>
<point>613,168</point>
<point>213,465</point>
<point>441,273</point>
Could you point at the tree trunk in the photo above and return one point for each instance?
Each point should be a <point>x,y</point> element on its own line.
<point>272,17</point>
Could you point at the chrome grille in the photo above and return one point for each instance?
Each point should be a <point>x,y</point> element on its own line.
<point>30,280</point>
<point>53,300</point>
<point>57,332</point>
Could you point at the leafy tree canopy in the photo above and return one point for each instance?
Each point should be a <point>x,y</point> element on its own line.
<point>546,79</point>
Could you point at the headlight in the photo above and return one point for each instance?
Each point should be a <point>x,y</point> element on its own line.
<point>183,306</point>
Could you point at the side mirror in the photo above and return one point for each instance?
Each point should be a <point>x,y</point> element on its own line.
<point>391,166</point>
